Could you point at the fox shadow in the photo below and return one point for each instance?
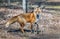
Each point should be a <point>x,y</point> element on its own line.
<point>18,30</point>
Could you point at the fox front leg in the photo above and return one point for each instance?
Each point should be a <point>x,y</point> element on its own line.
<point>31,27</point>
<point>37,27</point>
<point>20,21</point>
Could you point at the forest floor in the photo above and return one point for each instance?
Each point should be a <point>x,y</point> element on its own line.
<point>49,25</point>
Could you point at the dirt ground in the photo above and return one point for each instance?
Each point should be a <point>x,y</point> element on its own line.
<point>49,25</point>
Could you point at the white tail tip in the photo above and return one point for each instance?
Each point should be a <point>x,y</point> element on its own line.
<point>7,24</point>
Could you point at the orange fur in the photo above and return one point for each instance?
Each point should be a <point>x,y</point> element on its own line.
<point>22,19</point>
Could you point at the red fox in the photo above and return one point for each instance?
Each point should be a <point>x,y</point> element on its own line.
<point>22,19</point>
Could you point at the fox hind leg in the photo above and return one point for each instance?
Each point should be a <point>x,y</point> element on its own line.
<point>21,22</point>
<point>21,27</point>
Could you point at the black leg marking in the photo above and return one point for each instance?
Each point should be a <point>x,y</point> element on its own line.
<point>37,27</point>
<point>32,30</point>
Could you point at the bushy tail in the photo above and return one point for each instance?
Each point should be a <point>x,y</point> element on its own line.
<point>10,21</point>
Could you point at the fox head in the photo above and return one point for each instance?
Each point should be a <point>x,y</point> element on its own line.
<point>37,10</point>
